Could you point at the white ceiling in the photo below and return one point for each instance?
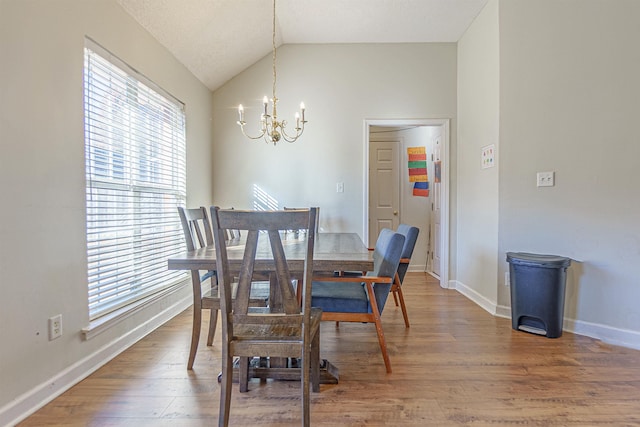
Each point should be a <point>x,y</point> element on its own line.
<point>217,39</point>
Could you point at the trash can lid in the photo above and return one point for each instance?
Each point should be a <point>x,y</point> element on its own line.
<point>538,260</point>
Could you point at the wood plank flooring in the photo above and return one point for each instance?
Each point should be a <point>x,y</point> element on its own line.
<point>456,365</point>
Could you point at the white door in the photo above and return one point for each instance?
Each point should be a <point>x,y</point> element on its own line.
<point>434,254</point>
<point>384,187</point>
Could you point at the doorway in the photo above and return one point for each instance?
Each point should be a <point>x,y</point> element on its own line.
<point>385,146</point>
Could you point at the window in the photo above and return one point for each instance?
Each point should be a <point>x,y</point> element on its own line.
<point>135,178</point>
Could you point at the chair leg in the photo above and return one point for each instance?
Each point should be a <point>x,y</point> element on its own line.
<point>403,306</point>
<point>213,321</point>
<point>243,374</point>
<point>383,345</point>
<point>376,318</point>
<point>395,286</point>
<point>305,374</point>
<point>395,296</point>
<point>315,362</point>
<point>195,336</point>
<point>225,388</point>
<point>299,291</point>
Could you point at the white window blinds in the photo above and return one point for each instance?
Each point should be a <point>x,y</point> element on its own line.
<point>135,178</point>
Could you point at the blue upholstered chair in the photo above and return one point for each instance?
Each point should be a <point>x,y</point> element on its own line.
<point>362,298</point>
<point>410,234</point>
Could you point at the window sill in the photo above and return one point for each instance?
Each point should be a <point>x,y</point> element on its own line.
<point>98,326</point>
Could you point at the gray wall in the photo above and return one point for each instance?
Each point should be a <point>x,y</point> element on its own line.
<point>477,195</point>
<point>569,103</point>
<point>341,85</point>
<point>42,220</point>
<point>554,85</point>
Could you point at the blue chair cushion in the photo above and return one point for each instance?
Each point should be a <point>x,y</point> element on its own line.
<point>340,297</point>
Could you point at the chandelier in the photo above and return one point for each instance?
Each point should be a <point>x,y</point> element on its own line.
<point>272,129</point>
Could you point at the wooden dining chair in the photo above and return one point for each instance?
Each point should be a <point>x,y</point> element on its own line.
<point>284,329</point>
<point>350,298</point>
<point>198,234</point>
<point>410,234</point>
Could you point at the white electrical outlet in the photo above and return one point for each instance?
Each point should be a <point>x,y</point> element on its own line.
<point>55,327</point>
<point>545,179</point>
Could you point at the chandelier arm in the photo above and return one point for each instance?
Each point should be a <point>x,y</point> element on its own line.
<point>293,138</point>
<point>264,131</point>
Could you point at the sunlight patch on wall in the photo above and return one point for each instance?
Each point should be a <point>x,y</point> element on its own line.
<point>263,201</point>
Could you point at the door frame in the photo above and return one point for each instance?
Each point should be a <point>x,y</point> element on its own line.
<point>444,219</point>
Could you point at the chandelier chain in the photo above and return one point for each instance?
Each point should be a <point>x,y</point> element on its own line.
<point>273,43</point>
<point>272,129</point>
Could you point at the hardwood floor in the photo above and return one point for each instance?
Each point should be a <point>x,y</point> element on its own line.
<point>456,365</point>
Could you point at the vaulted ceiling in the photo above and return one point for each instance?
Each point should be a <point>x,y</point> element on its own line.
<point>217,39</point>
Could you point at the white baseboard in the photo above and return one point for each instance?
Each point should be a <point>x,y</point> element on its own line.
<point>417,268</point>
<point>26,404</point>
<point>474,296</point>
<point>503,311</point>
<point>604,333</point>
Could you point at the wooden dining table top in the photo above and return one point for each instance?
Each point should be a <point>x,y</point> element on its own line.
<point>332,252</point>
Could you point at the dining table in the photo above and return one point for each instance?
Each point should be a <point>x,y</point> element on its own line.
<point>333,252</point>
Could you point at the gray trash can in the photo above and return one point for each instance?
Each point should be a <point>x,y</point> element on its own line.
<point>537,292</point>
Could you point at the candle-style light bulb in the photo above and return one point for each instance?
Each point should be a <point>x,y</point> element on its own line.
<point>297,120</point>
<point>302,110</point>
<point>241,112</point>
<point>265,102</point>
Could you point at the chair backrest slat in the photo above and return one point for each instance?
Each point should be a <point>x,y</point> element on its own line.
<point>283,275</point>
